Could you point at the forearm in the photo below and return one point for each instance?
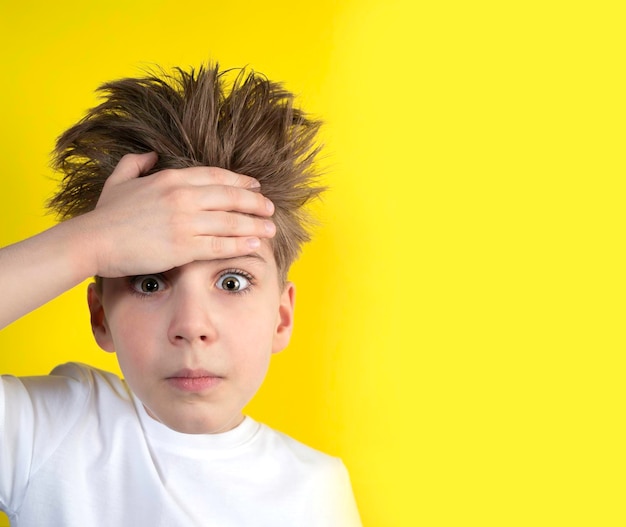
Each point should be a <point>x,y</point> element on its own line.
<point>38,269</point>
<point>139,226</point>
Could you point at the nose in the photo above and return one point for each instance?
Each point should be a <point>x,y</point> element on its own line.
<point>190,322</point>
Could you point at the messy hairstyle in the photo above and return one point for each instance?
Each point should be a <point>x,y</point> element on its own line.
<point>233,119</point>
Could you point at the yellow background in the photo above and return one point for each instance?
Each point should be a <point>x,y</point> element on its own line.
<point>460,338</point>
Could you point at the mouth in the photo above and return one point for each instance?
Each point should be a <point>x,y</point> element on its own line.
<point>187,380</point>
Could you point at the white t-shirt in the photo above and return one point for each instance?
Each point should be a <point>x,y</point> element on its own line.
<point>78,449</point>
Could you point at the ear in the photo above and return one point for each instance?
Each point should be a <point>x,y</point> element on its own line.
<point>99,325</point>
<point>284,322</point>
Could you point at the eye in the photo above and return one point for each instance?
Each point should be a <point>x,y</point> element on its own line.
<point>148,284</point>
<point>234,282</point>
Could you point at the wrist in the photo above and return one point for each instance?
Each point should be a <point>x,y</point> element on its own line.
<point>79,242</point>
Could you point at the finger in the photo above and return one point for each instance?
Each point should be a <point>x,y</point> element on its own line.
<point>201,176</point>
<point>228,224</point>
<point>221,247</point>
<point>229,198</point>
<point>132,166</point>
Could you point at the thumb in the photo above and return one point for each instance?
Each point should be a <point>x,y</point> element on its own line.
<point>132,166</point>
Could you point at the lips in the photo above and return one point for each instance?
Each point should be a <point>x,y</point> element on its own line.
<point>188,380</point>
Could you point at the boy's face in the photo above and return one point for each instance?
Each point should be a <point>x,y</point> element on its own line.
<point>194,343</point>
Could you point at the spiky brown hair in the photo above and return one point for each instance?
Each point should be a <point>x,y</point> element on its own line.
<point>233,119</point>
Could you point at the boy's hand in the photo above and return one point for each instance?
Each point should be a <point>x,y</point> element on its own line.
<point>165,220</point>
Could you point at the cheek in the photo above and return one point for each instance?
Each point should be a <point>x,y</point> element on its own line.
<point>250,337</point>
<point>254,325</point>
<point>132,335</point>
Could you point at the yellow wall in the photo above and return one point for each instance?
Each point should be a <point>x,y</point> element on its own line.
<point>460,336</point>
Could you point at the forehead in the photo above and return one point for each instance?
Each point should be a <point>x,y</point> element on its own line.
<point>262,263</point>
<point>263,257</point>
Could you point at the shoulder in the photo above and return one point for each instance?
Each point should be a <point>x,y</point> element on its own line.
<point>299,456</point>
<point>68,390</point>
<point>318,482</point>
<point>71,381</point>
<point>85,375</point>
<point>38,413</point>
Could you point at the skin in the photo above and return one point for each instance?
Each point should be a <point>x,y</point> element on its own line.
<point>140,225</point>
<point>180,229</point>
<point>193,351</point>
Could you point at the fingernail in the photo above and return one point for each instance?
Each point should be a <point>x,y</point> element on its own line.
<point>255,184</point>
<point>254,243</point>
<point>269,227</point>
<point>269,205</point>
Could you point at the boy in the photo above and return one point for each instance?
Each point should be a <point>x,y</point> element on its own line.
<point>191,293</point>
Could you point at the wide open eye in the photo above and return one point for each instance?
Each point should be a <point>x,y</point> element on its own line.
<point>148,284</point>
<point>233,282</point>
